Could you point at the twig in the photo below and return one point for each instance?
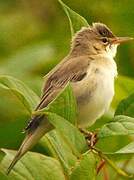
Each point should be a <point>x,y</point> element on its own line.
<point>111,163</point>
<point>105,173</point>
<point>101,165</point>
<point>123,167</point>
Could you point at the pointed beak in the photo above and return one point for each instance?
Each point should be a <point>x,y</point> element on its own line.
<point>119,40</point>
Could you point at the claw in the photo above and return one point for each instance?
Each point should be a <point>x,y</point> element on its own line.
<point>90,137</point>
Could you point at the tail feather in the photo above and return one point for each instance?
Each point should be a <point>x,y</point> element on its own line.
<point>31,139</point>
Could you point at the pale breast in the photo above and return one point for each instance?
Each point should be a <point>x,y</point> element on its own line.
<point>94,93</point>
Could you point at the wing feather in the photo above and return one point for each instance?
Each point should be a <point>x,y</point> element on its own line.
<point>72,70</point>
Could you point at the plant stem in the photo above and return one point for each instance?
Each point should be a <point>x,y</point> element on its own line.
<point>123,167</point>
<point>102,163</point>
<point>112,164</point>
<point>105,173</point>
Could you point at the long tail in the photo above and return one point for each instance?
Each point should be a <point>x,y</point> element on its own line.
<point>31,139</point>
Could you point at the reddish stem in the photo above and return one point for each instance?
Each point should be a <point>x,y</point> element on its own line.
<point>105,173</point>
<point>100,166</point>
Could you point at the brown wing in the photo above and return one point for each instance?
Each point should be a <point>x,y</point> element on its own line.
<point>72,70</point>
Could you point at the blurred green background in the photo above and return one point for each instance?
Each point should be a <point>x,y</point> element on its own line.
<point>35,36</point>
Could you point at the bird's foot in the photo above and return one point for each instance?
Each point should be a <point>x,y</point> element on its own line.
<point>90,137</point>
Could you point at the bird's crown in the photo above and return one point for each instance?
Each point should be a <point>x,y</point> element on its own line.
<point>102,30</point>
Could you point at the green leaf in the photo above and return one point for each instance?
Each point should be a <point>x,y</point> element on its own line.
<point>66,144</point>
<point>64,105</point>
<point>70,133</point>
<point>33,166</point>
<point>126,107</point>
<point>128,149</point>
<point>3,176</point>
<point>118,170</point>
<point>13,119</point>
<point>55,146</point>
<point>124,86</point>
<point>75,20</point>
<point>24,94</point>
<point>2,154</point>
<point>85,168</point>
<point>122,125</point>
<point>17,102</point>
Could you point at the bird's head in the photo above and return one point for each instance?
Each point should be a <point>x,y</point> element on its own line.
<point>97,39</point>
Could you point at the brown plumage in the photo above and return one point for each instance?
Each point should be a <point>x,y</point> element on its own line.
<point>57,81</point>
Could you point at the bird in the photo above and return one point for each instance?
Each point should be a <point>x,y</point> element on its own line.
<point>91,69</point>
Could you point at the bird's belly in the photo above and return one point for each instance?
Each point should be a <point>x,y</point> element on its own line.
<point>95,101</point>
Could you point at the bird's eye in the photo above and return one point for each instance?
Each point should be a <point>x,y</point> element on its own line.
<point>105,40</point>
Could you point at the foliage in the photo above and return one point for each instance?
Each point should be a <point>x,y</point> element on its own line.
<point>63,153</point>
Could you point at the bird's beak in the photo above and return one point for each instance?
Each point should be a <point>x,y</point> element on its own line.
<point>119,40</point>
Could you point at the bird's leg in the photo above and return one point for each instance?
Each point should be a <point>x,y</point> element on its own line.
<point>90,137</point>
